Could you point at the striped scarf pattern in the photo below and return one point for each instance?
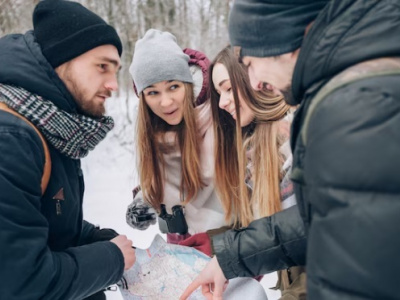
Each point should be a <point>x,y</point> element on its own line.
<point>74,135</point>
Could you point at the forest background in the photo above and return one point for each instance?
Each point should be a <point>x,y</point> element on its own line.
<point>110,170</point>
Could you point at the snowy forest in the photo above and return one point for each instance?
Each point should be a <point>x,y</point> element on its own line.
<point>110,172</point>
<point>198,24</point>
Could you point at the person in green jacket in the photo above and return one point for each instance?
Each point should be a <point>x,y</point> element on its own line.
<point>339,61</point>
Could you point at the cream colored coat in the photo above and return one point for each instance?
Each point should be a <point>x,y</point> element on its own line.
<point>205,211</point>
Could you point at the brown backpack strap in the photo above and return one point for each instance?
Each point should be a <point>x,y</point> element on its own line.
<point>385,66</point>
<point>47,162</point>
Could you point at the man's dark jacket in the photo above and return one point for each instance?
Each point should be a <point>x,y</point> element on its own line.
<point>349,196</point>
<point>44,255</point>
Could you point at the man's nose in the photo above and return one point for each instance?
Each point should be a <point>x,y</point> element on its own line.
<point>112,84</point>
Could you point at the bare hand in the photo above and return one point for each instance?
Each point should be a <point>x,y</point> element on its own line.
<point>125,245</point>
<point>212,281</point>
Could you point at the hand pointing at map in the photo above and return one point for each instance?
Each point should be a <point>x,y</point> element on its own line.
<point>212,281</point>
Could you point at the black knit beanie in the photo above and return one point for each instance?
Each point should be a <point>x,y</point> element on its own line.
<point>263,28</point>
<point>66,29</point>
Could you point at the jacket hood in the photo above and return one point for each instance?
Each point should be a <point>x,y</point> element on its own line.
<point>23,64</point>
<point>345,33</point>
<point>199,64</point>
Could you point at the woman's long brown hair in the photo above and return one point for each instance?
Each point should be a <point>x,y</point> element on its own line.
<point>231,141</point>
<point>151,145</point>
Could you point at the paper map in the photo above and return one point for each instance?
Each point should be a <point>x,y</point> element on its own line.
<point>163,271</point>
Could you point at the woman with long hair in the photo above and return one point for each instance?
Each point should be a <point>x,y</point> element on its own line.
<point>174,142</point>
<point>253,157</point>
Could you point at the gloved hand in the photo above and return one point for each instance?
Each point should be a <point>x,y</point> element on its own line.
<point>200,241</point>
<point>140,215</point>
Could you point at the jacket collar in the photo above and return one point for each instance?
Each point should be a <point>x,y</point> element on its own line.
<point>24,65</point>
<point>345,33</point>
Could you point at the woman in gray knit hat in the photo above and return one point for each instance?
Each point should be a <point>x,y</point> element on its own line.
<point>175,143</point>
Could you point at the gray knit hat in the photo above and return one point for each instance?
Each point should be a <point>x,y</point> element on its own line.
<point>157,58</point>
<point>264,28</point>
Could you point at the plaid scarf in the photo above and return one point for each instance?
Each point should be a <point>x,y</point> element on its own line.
<point>72,134</point>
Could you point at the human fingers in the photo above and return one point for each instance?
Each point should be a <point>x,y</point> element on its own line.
<point>226,285</point>
<point>218,289</point>
<point>130,258</point>
<point>191,288</point>
<point>125,245</point>
<point>207,291</point>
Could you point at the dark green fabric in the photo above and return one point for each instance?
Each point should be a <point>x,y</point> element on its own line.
<point>266,245</point>
<point>347,184</point>
<point>213,232</point>
<point>349,188</point>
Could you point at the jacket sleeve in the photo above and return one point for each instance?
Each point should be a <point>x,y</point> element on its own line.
<point>88,230</point>
<point>266,245</point>
<point>91,234</point>
<point>28,268</point>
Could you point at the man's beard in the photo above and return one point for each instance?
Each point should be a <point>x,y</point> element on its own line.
<point>86,105</point>
<point>288,95</point>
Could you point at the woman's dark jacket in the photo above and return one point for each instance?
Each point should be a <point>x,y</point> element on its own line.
<point>44,255</point>
<point>349,196</point>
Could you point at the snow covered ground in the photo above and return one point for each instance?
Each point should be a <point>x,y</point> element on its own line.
<point>110,176</point>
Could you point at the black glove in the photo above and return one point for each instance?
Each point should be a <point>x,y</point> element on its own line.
<point>140,215</point>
